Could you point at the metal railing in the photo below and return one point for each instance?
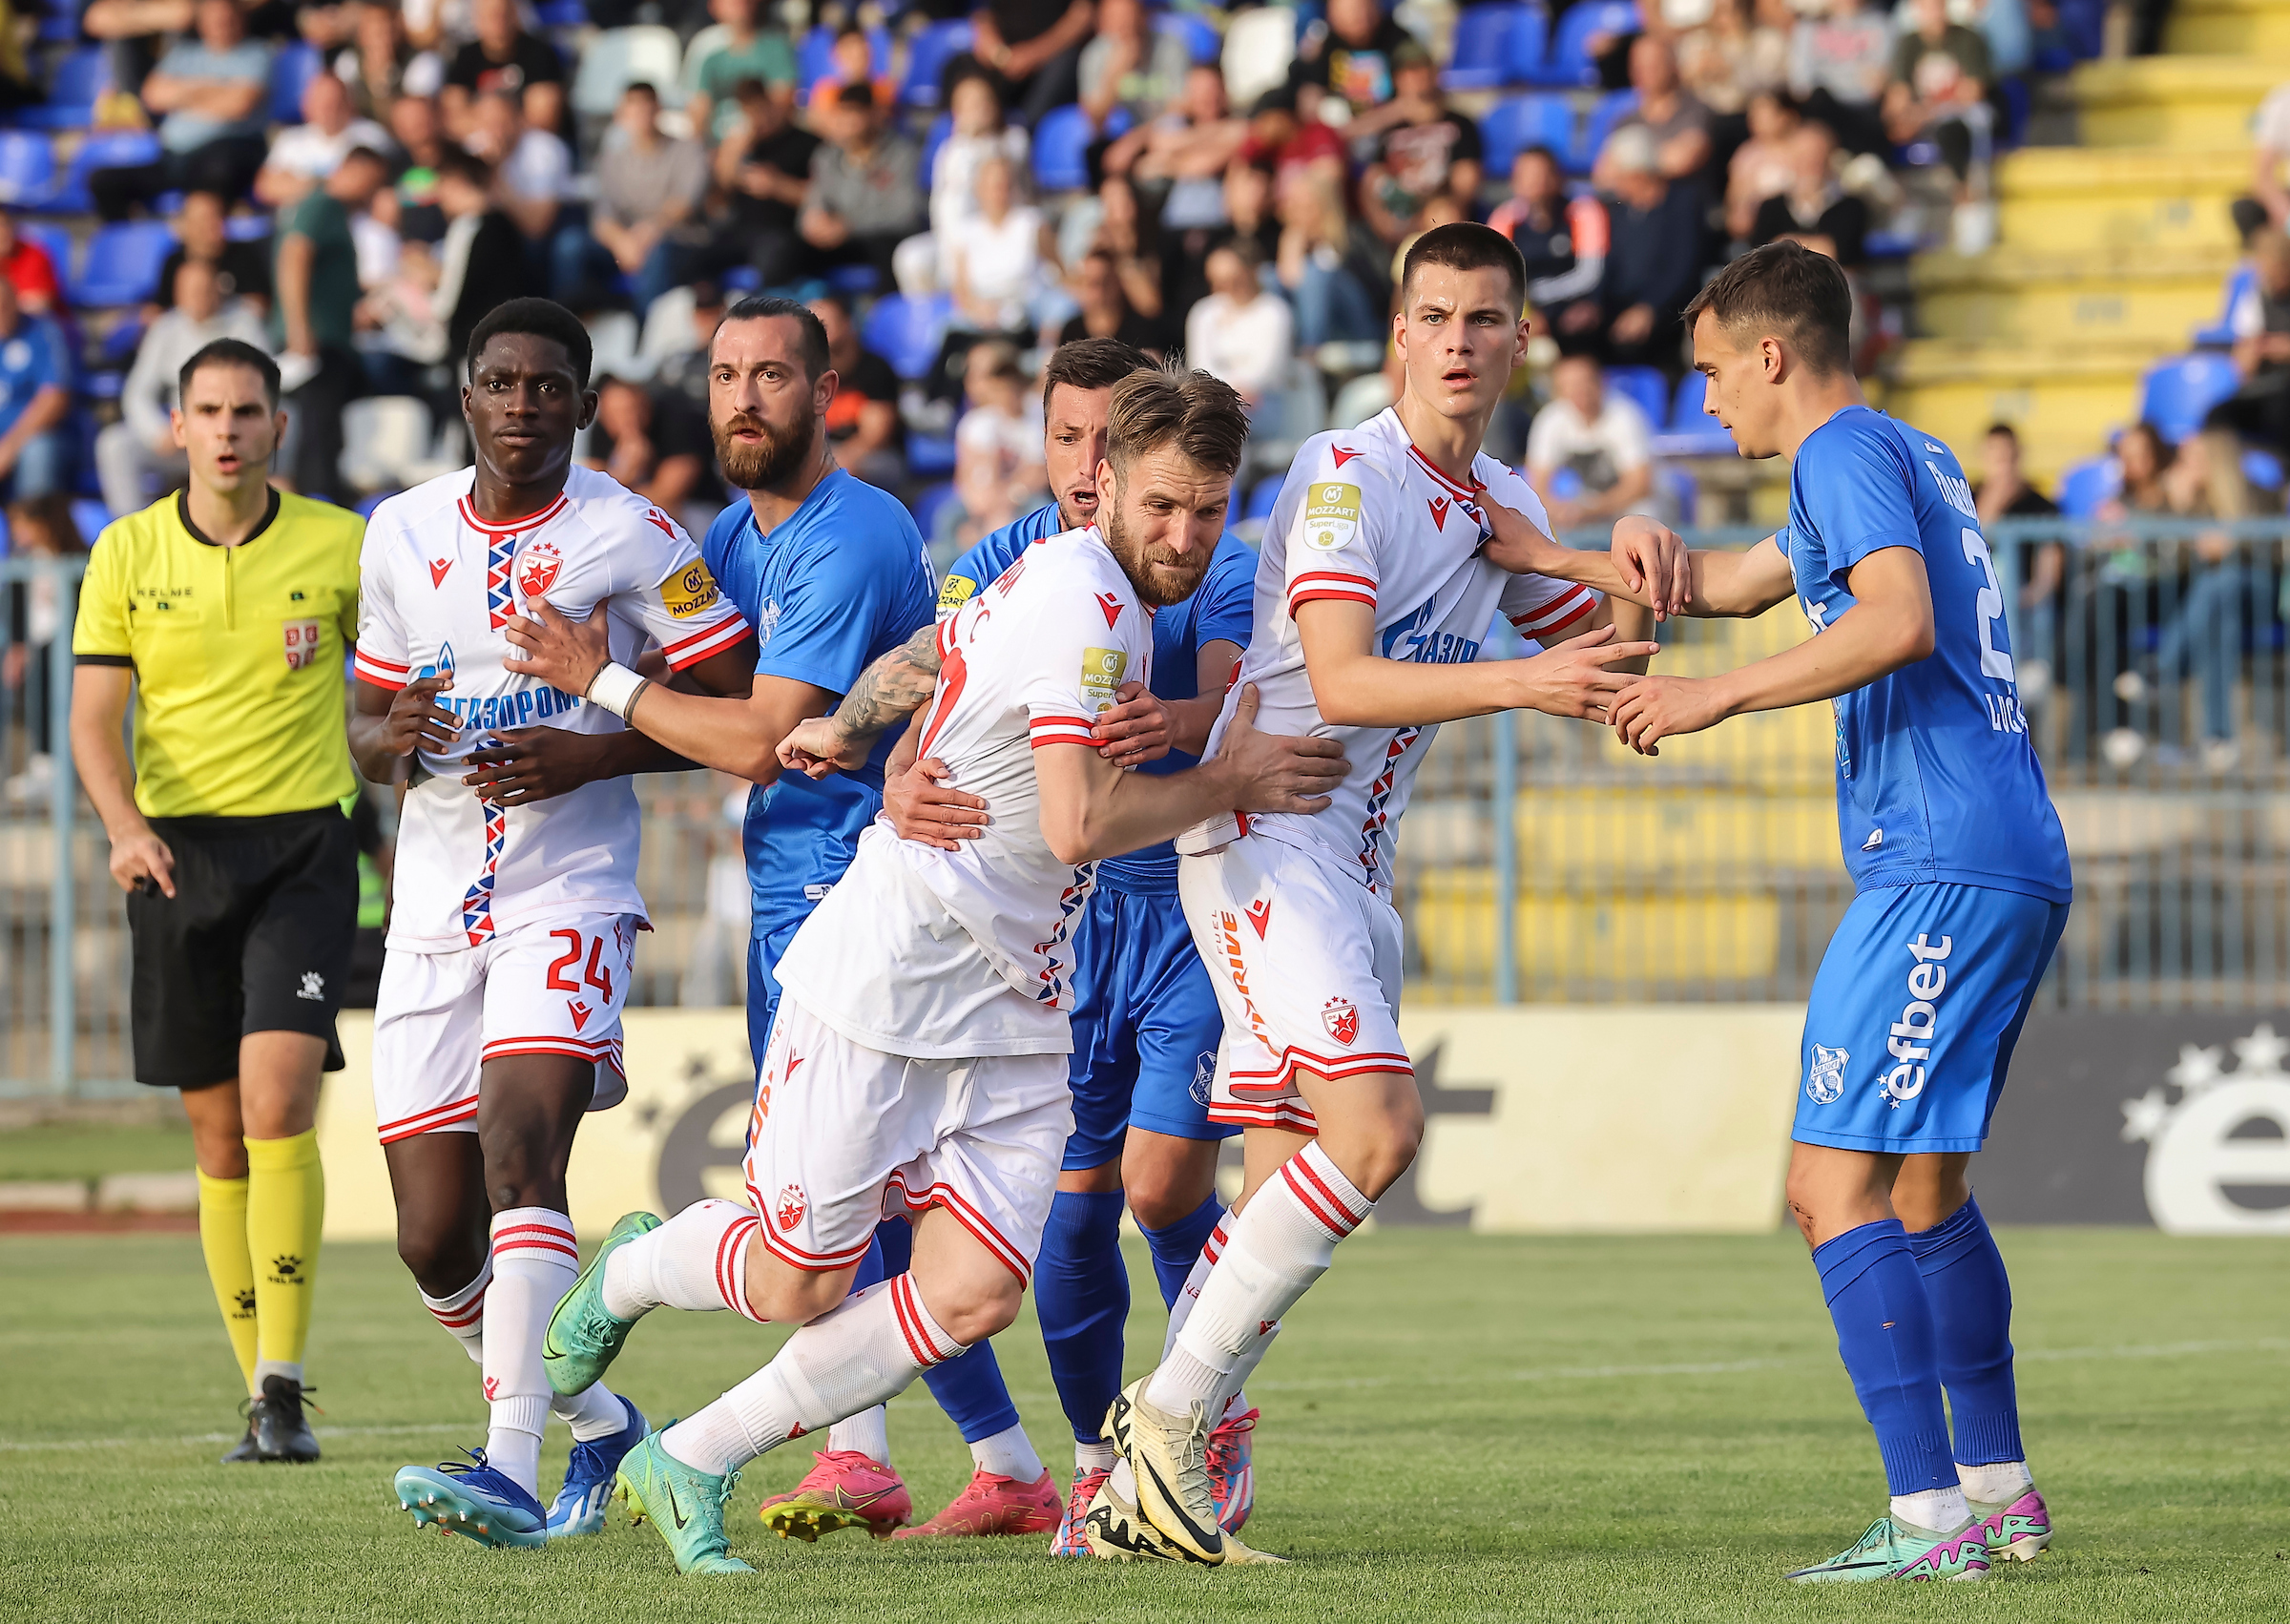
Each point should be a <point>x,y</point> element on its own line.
<point>2151,665</point>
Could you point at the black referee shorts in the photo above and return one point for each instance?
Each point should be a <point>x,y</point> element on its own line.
<point>256,938</point>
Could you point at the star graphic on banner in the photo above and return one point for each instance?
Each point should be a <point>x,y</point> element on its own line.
<point>2144,1117</point>
<point>2262,1051</point>
<point>2198,1069</point>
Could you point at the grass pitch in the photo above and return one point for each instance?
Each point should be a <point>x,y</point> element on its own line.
<point>1454,1427</point>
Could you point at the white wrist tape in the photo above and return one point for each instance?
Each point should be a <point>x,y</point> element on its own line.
<point>616,688</point>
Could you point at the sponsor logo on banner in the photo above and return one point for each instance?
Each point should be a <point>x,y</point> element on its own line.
<point>2217,1137</point>
<point>690,591</point>
<point>1331,516</point>
<point>1102,674</point>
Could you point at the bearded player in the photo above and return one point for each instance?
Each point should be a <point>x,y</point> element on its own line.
<point>1372,600</point>
<point>512,934</point>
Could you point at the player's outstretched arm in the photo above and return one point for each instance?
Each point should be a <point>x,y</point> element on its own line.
<point>1092,809</point>
<point>1889,626</point>
<point>1707,583</point>
<point>1354,686</point>
<point>887,692</point>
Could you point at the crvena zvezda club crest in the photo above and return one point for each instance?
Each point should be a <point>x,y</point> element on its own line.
<point>537,569</point>
<point>1341,1018</point>
<point>789,1211</point>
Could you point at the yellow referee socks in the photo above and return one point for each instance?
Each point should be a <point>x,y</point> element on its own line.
<point>285,1208</point>
<point>230,1265</point>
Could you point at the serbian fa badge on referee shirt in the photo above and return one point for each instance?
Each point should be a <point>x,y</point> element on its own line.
<point>302,643</point>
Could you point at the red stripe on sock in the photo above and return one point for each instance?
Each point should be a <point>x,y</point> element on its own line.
<point>731,1282</point>
<point>1310,1203</point>
<point>1320,1184</point>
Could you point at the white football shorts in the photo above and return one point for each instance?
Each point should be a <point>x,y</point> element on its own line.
<point>843,1136</point>
<point>1306,966</point>
<point>547,989</point>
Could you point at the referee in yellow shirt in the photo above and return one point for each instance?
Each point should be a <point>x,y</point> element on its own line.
<point>227,612</point>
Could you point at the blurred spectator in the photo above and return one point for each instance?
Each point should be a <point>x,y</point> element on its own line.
<point>1940,85</point>
<point>402,328</point>
<point>925,264</point>
<point>998,255</point>
<point>1240,333</point>
<point>1761,165</point>
<point>17,87</point>
<point>242,268</point>
<point>40,609</point>
<point>685,371</point>
<point>314,328</point>
<point>764,170</point>
<point>2270,136</point>
<point>1187,149</point>
<point>742,50</point>
<point>851,61</point>
<point>1597,435</point>
<point>2004,494</point>
<point>2112,598</point>
<point>503,58</point>
<point>1331,267</point>
<point>1731,57</point>
<point>1035,45</point>
<point>482,261</point>
<point>649,189</point>
<point>2259,409</point>
<point>138,456</point>
<point>1246,195</point>
<point>208,95</point>
<point>1288,144</point>
<point>864,197</point>
<point>134,33</point>
<point>1116,222</point>
<point>862,419</point>
<point>28,269</point>
<point>304,154</point>
<point>532,175</point>
<point>1352,57</point>
<point>1838,67</point>
<point>1130,64</point>
<point>1815,209</point>
<point>1427,151</point>
<point>2204,631</point>
<point>1106,312</point>
<point>421,145</point>
<point>1655,263</point>
<point>1668,111</point>
<point>35,395</point>
<point>654,444</point>
<point>998,463</point>
<point>381,64</point>
<point>1562,241</point>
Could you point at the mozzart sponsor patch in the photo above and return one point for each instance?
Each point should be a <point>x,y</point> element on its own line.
<point>1331,516</point>
<point>1102,673</point>
<point>955,592</point>
<point>690,591</point>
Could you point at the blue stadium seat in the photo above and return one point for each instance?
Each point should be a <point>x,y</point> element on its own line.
<point>2178,393</point>
<point>55,239</point>
<point>2086,485</point>
<point>906,332</point>
<point>1481,57</point>
<point>1061,144</point>
<point>2262,469</point>
<point>929,457</point>
<point>1202,42</point>
<point>1524,121</point>
<point>80,79</point>
<point>854,281</point>
<point>1260,499</point>
<point>816,60</point>
<point>1611,109</point>
<point>2220,334</point>
<point>1529,39</point>
<point>1646,386</point>
<point>927,55</point>
<point>742,279</point>
<point>2085,24</point>
<point>122,265</point>
<point>90,516</point>
<point>291,71</point>
<point>1685,407</point>
<point>927,506</point>
<point>105,148</point>
<point>27,169</point>
<point>118,347</point>
<point>246,228</point>
<point>940,128</point>
<point>1569,60</point>
<point>564,14</point>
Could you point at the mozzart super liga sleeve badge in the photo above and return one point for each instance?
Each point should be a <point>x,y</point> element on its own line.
<point>1331,516</point>
<point>1102,674</point>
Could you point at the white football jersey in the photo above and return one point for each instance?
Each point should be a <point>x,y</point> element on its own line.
<point>1365,518</point>
<point>439,584</point>
<point>945,954</point>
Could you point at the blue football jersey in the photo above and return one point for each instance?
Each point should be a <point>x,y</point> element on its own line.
<point>1936,779</point>
<point>842,581</point>
<point>1222,607</point>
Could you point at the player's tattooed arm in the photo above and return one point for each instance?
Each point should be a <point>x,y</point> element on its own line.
<point>886,694</point>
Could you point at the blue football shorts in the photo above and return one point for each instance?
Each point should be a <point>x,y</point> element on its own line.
<point>1145,1027</point>
<point>1914,1013</point>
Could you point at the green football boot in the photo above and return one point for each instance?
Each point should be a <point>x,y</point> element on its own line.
<point>685,1502</point>
<point>583,1339</point>
<point>1892,1549</point>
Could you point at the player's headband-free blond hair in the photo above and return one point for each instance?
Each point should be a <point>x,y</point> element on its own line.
<point>1201,416</point>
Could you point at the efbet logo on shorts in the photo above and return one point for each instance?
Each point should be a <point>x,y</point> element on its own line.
<point>691,591</point>
<point>1825,1078</point>
<point>1331,516</point>
<point>1915,1032</point>
<point>1102,674</point>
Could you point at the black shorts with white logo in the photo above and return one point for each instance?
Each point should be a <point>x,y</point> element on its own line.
<point>256,938</point>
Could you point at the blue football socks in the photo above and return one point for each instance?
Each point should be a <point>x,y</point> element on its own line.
<point>1081,1292</point>
<point>1177,1248</point>
<point>1886,1333</point>
<point>1971,1308</point>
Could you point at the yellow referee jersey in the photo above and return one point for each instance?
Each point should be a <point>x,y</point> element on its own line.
<point>237,654</point>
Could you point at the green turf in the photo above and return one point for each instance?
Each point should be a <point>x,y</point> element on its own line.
<point>63,1149</point>
<point>1454,1427</point>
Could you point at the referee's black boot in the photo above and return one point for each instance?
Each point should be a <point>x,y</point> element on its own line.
<point>282,1431</point>
<point>248,1447</point>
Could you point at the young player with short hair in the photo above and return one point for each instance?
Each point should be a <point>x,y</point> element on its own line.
<point>515,913</point>
<point>917,1062</point>
<point>1372,600</point>
<point>1963,886</point>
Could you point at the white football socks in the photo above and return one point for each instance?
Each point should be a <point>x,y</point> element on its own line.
<point>593,1414</point>
<point>867,1433</point>
<point>697,1261</point>
<point>1093,1457</point>
<point>535,1262</point>
<point>1284,1241</point>
<point>1997,1485</point>
<point>864,1352</point>
<point>1009,1453</point>
<point>1182,1311</point>
<point>1943,1511</point>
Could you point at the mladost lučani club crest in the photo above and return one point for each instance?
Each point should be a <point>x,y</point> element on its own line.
<point>2219,1140</point>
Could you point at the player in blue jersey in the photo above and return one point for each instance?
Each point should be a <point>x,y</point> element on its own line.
<point>831,573</point>
<point>1963,886</point>
<point>1145,1021</point>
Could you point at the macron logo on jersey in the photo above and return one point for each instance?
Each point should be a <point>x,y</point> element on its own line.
<point>437,571</point>
<point>1343,454</point>
<point>1111,606</point>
